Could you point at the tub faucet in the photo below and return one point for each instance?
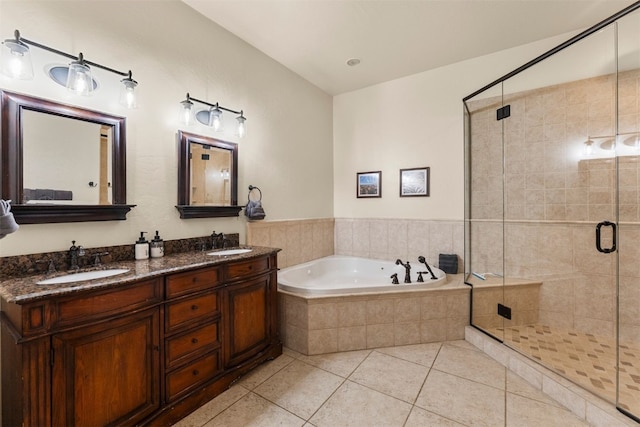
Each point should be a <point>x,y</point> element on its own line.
<point>394,279</point>
<point>424,261</point>
<point>407,270</point>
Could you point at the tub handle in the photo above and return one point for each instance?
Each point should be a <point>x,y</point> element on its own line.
<point>598,237</point>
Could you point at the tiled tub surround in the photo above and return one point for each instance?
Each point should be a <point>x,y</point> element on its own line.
<point>406,239</point>
<point>326,324</point>
<point>300,240</point>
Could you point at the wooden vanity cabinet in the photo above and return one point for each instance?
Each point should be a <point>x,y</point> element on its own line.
<point>145,353</point>
<point>91,358</point>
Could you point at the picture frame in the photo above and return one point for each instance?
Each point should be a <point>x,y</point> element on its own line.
<point>414,182</point>
<point>369,184</point>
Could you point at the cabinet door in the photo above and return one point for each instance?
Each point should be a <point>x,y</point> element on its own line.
<point>247,319</point>
<point>108,373</point>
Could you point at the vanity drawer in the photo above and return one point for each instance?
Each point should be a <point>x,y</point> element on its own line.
<point>193,374</point>
<point>191,281</point>
<point>191,310</point>
<point>98,305</point>
<point>247,268</point>
<point>183,346</point>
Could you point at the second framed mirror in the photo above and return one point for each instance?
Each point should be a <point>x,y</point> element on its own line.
<point>207,177</point>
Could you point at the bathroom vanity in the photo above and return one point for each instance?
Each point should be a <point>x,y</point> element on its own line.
<point>145,347</point>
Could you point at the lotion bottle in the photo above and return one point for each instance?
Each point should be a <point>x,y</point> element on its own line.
<point>142,247</point>
<point>157,246</point>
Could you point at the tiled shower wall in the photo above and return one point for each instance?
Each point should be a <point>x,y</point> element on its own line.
<point>554,196</point>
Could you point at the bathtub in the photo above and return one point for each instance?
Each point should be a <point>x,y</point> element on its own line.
<point>338,274</point>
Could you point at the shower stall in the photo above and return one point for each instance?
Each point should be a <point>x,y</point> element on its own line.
<point>552,214</point>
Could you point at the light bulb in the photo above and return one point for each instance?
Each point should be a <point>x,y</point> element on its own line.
<point>242,126</point>
<point>79,78</point>
<point>185,111</point>
<point>127,92</point>
<point>16,59</point>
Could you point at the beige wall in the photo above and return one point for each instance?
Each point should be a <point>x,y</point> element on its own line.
<point>413,122</point>
<point>173,50</point>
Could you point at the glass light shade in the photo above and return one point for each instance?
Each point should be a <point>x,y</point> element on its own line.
<point>186,112</point>
<point>242,125</point>
<point>16,60</point>
<point>127,93</point>
<point>79,79</point>
<point>215,119</point>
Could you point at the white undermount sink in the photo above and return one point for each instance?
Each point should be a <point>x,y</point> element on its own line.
<point>79,277</point>
<point>230,252</point>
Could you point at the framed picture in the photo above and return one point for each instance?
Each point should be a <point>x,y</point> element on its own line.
<point>414,182</point>
<point>369,184</point>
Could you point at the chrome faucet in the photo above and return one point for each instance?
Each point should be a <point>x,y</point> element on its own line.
<point>96,260</point>
<point>407,270</point>
<point>74,253</point>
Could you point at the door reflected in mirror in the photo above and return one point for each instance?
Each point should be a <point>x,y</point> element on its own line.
<point>207,177</point>
<point>210,175</point>
<point>49,142</point>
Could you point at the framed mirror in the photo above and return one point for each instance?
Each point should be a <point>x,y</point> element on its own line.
<point>61,163</point>
<point>207,177</point>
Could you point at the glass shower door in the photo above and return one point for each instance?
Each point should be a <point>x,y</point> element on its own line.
<point>560,195</point>
<point>628,158</point>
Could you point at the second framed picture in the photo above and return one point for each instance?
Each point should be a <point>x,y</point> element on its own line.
<point>369,184</point>
<point>414,182</point>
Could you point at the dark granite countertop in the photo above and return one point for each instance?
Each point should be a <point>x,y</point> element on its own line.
<point>23,290</point>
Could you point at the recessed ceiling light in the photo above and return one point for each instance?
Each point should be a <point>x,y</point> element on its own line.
<point>353,62</point>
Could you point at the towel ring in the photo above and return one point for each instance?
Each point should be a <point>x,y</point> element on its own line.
<point>251,188</point>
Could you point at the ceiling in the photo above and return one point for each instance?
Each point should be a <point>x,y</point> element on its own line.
<point>393,38</point>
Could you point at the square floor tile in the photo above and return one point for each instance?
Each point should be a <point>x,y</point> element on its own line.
<point>465,401</point>
<point>353,405</point>
<point>342,364</point>
<point>253,411</point>
<point>212,408</point>
<point>421,418</point>
<point>261,373</point>
<point>471,365</point>
<point>422,354</point>
<point>299,388</point>
<point>523,412</point>
<point>390,375</point>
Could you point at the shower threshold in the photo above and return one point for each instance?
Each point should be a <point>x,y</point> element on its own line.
<point>546,358</point>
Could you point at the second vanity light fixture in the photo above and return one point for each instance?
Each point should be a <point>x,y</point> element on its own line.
<point>16,63</point>
<point>211,116</point>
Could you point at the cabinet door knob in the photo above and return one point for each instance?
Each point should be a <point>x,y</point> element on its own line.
<point>194,307</point>
<point>196,372</point>
<point>194,340</point>
<point>194,280</point>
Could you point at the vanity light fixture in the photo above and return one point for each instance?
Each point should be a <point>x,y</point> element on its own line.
<point>16,63</point>
<point>212,116</point>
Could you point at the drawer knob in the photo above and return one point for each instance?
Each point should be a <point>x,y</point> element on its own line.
<point>194,340</point>
<point>196,372</point>
<point>194,280</point>
<point>194,307</point>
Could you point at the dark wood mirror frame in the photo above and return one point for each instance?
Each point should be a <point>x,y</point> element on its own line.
<point>184,182</point>
<point>11,161</point>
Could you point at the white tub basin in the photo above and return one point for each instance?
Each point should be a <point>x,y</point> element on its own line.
<point>79,277</point>
<point>230,252</point>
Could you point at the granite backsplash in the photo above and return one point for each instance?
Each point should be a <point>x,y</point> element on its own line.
<point>25,265</point>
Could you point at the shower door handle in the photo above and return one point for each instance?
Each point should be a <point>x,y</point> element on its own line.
<point>598,237</point>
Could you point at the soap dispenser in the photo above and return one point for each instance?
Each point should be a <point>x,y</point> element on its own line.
<point>157,246</point>
<point>142,247</point>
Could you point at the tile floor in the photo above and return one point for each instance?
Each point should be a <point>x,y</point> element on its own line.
<point>588,360</point>
<point>438,384</point>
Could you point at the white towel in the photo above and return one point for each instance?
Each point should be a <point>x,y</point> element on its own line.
<point>8,223</point>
